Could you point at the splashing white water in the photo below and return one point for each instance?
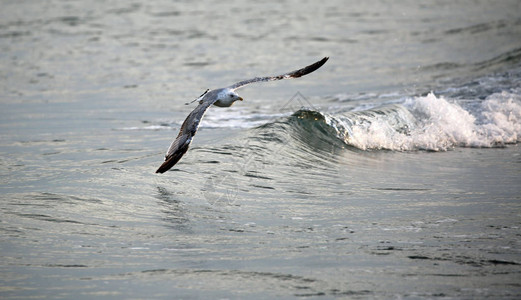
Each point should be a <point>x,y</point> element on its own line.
<point>502,118</point>
<point>441,124</point>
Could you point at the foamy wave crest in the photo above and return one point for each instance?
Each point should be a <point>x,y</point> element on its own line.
<point>502,115</point>
<point>433,123</point>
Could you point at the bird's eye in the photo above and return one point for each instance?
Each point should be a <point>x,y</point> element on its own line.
<point>231,96</point>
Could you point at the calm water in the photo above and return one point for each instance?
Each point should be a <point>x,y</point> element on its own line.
<point>392,172</point>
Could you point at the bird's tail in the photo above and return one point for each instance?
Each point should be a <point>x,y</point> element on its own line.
<point>198,98</point>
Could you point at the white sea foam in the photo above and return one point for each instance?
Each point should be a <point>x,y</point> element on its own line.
<point>441,124</point>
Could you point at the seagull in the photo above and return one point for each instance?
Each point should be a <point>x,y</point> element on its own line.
<point>222,97</point>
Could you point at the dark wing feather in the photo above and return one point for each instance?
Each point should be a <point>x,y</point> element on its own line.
<point>293,74</point>
<point>180,145</point>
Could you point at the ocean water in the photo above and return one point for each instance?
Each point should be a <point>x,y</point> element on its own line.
<point>393,172</point>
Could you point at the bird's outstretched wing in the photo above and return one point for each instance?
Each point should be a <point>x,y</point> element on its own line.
<point>180,145</point>
<point>293,74</point>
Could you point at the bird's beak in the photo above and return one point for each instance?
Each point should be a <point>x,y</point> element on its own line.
<point>240,98</point>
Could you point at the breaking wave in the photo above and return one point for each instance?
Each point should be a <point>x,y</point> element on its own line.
<point>430,122</point>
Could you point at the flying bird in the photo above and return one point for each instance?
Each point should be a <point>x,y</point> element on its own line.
<point>223,97</point>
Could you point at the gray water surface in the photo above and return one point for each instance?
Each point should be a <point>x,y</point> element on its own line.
<point>271,200</point>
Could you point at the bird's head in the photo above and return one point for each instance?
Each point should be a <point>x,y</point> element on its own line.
<point>226,98</point>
